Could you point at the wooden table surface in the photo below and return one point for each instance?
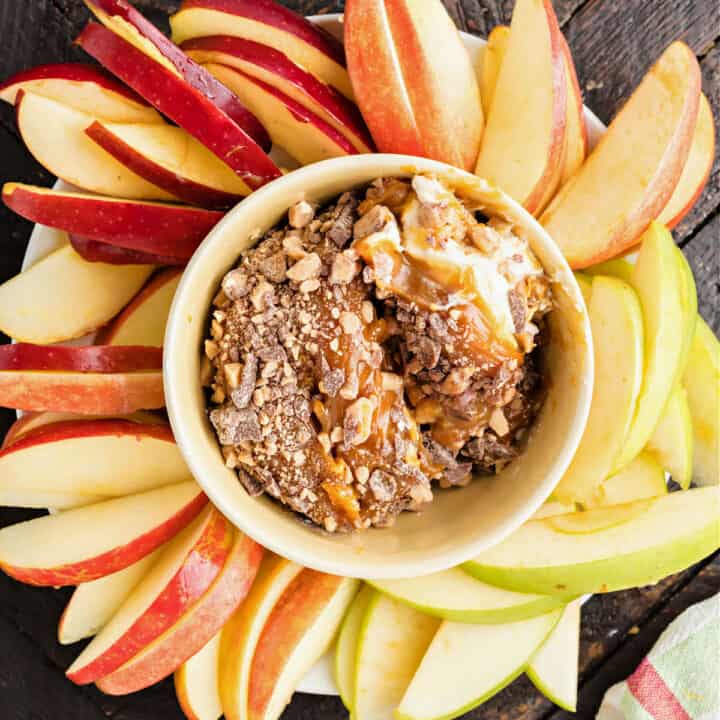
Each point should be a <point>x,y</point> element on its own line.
<point>613,42</point>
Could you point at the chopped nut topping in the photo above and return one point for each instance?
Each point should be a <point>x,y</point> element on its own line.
<point>309,286</point>
<point>235,284</point>
<point>367,312</point>
<point>357,424</point>
<point>350,323</point>
<point>262,295</point>
<point>498,423</point>
<point>301,214</point>
<point>292,244</point>
<point>305,269</point>
<point>344,269</point>
<point>211,349</point>
<point>232,374</point>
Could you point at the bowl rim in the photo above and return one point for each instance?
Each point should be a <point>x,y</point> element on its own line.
<point>172,361</point>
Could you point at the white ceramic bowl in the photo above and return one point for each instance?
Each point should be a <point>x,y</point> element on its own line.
<point>459,523</point>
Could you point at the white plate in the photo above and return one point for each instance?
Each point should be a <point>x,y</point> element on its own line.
<point>43,240</point>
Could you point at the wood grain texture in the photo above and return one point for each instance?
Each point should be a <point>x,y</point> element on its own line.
<point>703,254</point>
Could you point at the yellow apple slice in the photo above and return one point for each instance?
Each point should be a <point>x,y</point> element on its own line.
<point>347,643</point>
<point>642,478</point>
<point>675,531</point>
<point>522,146</point>
<point>554,668</point>
<point>702,383</point>
<point>553,507</point>
<point>629,177</point>
<point>617,328</point>
<point>585,522</point>
<point>393,640</point>
<point>63,296</point>
<point>240,635</point>
<point>453,595</point>
<point>689,307</point>
<point>697,168</point>
<point>585,284</point>
<point>55,135</point>
<point>196,684</point>
<point>660,283</point>
<point>94,603</point>
<point>492,57</point>
<point>619,268</point>
<point>672,439</point>
<point>467,664</point>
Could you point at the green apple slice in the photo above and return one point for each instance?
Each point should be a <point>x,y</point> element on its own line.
<point>689,307</point>
<point>660,281</point>
<point>675,531</point>
<point>454,595</point>
<point>585,284</point>
<point>467,664</point>
<point>393,640</point>
<point>587,523</point>
<point>672,439</point>
<point>619,268</point>
<point>643,478</point>
<point>553,507</point>
<point>347,643</point>
<point>554,667</point>
<point>617,329</point>
<point>702,383</point>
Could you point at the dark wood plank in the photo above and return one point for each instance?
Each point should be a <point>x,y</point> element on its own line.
<point>703,254</point>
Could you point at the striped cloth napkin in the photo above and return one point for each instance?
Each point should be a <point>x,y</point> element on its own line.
<point>680,678</point>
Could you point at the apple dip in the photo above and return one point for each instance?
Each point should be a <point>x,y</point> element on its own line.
<point>369,351</point>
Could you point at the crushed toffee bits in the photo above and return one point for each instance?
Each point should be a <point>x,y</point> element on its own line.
<point>350,362</point>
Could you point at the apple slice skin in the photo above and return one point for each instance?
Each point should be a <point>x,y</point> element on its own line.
<point>150,227</point>
<point>110,561</point>
<point>195,629</point>
<point>94,251</point>
<point>576,143</point>
<point>90,358</point>
<point>196,573</point>
<point>194,75</point>
<point>180,102</point>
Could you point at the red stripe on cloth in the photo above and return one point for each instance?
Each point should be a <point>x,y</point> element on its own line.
<point>654,695</point>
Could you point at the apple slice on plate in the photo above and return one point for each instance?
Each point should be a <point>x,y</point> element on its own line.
<point>631,174</point>
<point>552,507</point>
<point>143,321</point>
<point>697,168</point>
<point>55,136</point>
<point>62,297</point>
<point>94,603</point>
<point>492,57</point>
<point>453,595</point>
<point>94,251</point>
<point>93,457</point>
<point>84,87</point>
<point>196,683</point>
<point>241,633</point>
<point>181,575</point>
<point>467,664</point>
<point>347,644</point>
<point>554,667</point>
<point>90,542</point>
<point>296,634</point>
<point>617,327</point>
<point>180,101</point>
<point>268,22</point>
<point>192,630</point>
<point>172,159</point>
<point>672,439</point>
<point>702,384</point>
<point>642,478</point>
<point>522,149</point>
<point>393,640</point>
<point>412,103</point>
<point>576,137</point>
<point>306,136</point>
<point>666,535</point>
<point>161,229</point>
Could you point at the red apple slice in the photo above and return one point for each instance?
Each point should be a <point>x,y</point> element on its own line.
<point>55,135</point>
<point>93,457</point>
<point>630,176</point>
<point>88,358</point>
<point>181,102</point>
<point>412,103</point>
<point>276,69</point>
<point>90,542</point>
<point>297,633</point>
<point>196,684</point>
<point>94,603</point>
<point>522,147</point>
<point>143,320</point>
<point>63,297</point>
<point>124,20</point>
<point>307,137</point>
<point>180,577</point>
<point>697,168</point>
<point>156,228</point>
<point>576,140</point>
<point>270,23</point>
<point>171,159</point>
<point>100,252</point>
<point>84,87</point>
<point>195,628</point>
